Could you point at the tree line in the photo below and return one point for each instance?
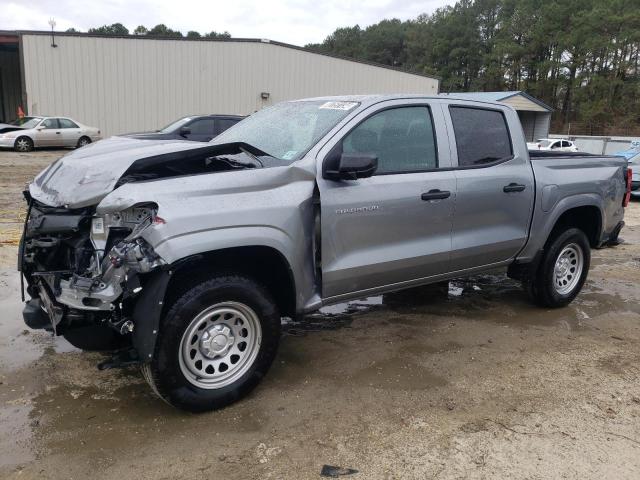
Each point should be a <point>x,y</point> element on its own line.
<point>579,56</point>
<point>160,30</point>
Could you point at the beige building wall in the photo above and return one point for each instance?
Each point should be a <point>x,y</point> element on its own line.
<point>129,84</point>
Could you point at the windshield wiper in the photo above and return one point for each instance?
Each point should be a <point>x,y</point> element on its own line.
<point>231,162</point>
<point>253,156</point>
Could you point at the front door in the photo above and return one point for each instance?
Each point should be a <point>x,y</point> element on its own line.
<point>395,226</point>
<point>48,133</point>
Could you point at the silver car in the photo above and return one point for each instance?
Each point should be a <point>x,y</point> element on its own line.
<point>184,256</point>
<point>27,133</point>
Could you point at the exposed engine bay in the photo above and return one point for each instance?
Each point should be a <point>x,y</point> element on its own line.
<point>83,269</point>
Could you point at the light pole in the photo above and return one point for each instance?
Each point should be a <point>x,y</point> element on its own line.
<point>52,22</point>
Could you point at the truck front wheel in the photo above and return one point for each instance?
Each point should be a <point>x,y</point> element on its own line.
<point>562,270</point>
<point>215,344</point>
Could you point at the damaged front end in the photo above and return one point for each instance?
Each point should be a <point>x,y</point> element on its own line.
<point>85,272</point>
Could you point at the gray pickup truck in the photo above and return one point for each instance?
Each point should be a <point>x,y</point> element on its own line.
<point>185,257</point>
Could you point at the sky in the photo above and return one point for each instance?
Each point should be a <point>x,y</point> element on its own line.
<point>291,21</point>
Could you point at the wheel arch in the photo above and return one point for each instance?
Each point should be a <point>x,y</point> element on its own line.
<point>587,217</point>
<point>265,264</point>
<point>33,142</point>
<point>164,286</point>
<point>580,211</point>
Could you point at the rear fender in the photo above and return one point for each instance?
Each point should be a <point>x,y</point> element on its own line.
<point>544,223</point>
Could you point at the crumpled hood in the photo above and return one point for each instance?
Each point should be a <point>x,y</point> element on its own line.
<point>86,175</point>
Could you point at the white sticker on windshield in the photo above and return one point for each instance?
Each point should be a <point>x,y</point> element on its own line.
<point>289,155</point>
<point>97,226</point>
<point>338,105</point>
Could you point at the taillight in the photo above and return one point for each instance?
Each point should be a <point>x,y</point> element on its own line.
<point>627,194</point>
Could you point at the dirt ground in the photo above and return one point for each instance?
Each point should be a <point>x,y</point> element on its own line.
<point>466,382</point>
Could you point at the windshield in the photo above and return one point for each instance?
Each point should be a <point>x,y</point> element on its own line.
<point>288,130</point>
<point>175,125</point>
<point>544,143</point>
<point>26,122</point>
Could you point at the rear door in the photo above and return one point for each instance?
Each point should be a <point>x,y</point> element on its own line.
<point>390,228</point>
<point>70,132</point>
<point>495,186</point>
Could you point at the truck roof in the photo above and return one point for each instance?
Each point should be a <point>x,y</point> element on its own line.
<point>376,98</point>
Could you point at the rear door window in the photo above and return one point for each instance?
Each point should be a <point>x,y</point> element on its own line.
<point>66,123</point>
<point>225,123</point>
<point>482,136</point>
<point>201,127</point>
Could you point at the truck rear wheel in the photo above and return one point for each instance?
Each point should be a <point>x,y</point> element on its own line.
<point>215,344</point>
<point>562,270</point>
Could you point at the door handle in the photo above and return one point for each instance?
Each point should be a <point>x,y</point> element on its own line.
<point>513,187</point>
<point>57,133</point>
<point>435,195</point>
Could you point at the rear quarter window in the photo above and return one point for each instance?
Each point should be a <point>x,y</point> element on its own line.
<point>482,136</point>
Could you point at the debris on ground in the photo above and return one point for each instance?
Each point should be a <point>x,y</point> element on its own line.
<point>335,472</point>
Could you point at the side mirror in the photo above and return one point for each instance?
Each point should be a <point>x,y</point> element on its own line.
<point>352,166</point>
<point>184,131</point>
<point>40,127</point>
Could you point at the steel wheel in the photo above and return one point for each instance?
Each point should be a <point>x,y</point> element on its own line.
<point>568,268</point>
<point>23,144</point>
<point>220,345</point>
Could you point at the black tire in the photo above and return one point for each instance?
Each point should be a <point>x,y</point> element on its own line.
<point>95,338</point>
<point>543,288</point>
<point>23,144</point>
<point>166,373</point>
<point>83,141</point>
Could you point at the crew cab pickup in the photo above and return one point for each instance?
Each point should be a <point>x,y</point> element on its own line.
<point>185,257</point>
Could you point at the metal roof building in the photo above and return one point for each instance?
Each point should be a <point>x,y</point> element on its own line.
<point>535,115</point>
<point>134,83</point>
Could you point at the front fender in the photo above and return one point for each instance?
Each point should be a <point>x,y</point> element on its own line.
<point>294,250</point>
<point>177,247</point>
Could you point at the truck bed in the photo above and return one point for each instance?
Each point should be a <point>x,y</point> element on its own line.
<point>571,180</point>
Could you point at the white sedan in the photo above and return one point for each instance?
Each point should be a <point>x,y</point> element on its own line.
<point>555,144</point>
<point>27,133</point>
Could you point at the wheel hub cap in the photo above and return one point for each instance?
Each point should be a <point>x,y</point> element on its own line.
<point>220,344</point>
<point>216,341</point>
<point>568,269</point>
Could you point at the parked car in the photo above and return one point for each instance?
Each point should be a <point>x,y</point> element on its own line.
<point>186,256</point>
<point>25,134</point>
<point>197,128</point>
<point>632,155</point>
<point>558,145</point>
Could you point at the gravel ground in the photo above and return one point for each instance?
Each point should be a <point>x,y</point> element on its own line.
<point>469,381</point>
